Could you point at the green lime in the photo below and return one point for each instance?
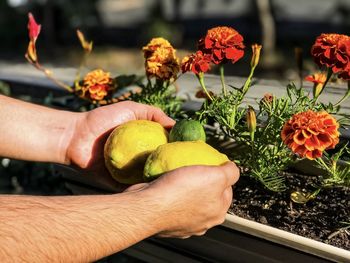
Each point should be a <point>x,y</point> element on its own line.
<point>187,130</point>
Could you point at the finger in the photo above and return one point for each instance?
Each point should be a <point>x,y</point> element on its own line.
<point>157,115</point>
<point>227,197</point>
<point>202,233</point>
<point>231,173</point>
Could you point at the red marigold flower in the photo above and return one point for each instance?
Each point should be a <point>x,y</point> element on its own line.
<point>309,133</point>
<point>33,28</point>
<point>97,84</point>
<point>333,51</point>
<point>197,63</point>
<point>223,44</point>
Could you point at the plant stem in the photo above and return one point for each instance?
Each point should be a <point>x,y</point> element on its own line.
<point>82,63</point>
<point>346,95</point>
<point>201,82</point>
<point>222,78</point>
<point>48,74</point>
<point>329,75</point>
<point>248,81</point>
<point>322,162</point>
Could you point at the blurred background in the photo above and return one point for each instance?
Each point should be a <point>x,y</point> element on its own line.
<point>119,29</point>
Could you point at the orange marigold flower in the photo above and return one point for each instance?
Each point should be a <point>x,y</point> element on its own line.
<point>223,44</point>
<point>163,64</point>
<point>161,61</point>
<point>154,44</point>
<point>333,51</point>
<point>97,84</point>
<point>309,133</point>
<point>197,63</point>
<point>318,79</point>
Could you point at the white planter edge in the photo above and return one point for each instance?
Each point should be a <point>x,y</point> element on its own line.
<point>288,239</point>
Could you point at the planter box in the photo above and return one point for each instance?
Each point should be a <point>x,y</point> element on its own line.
<point>237,240</point>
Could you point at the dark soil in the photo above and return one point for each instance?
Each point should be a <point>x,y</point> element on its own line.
<point>323,218</point>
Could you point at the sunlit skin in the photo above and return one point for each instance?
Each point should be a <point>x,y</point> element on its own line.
<point>87,228</point>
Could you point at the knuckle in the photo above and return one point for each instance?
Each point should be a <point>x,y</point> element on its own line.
<point>220,220</point>
<point>199,234</point>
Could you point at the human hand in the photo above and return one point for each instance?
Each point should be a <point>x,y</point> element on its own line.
<point>191,199</point>
<point>85,149</point>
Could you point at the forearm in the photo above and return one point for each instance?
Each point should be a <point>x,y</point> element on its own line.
<point>73,229</point>
<point>33,132</point>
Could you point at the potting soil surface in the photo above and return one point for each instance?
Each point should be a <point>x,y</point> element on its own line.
<point>325,218</point>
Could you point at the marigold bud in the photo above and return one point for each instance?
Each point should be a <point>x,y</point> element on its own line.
<point>268,98</point>
<point>33,28</point>
<point>256,55</point>
<point>33,31</point>
<point>251,121</point>
<point>318,79</point>
<point>87,46</point>
<point>31,52</point>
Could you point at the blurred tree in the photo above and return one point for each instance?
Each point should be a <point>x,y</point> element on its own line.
<point>268,32</point>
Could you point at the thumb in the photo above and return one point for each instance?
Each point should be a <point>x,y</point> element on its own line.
<point>231,172</point>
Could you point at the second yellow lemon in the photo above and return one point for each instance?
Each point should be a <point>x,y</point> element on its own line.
<point>173,155</point>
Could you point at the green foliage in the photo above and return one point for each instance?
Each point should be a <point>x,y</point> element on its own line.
<point>4,89</point>
<point>337,173</point>
<point>264,155</point>
<point>160,94</point>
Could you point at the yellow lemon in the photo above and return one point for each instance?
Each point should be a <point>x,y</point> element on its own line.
<point>173,155</point>
<point>128,147</point>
